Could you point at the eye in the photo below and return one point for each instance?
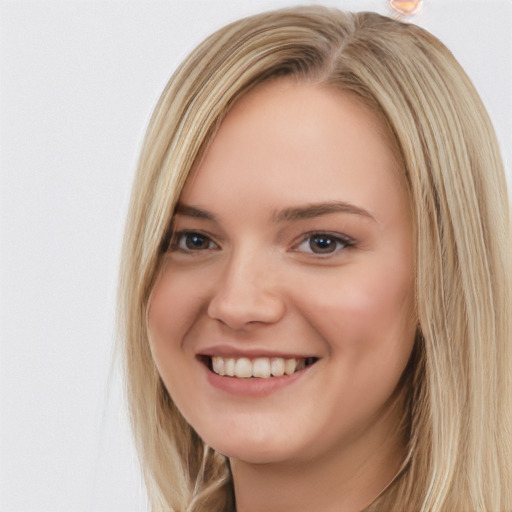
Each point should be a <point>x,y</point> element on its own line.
<point>324,243</point>
<point>190,241</point>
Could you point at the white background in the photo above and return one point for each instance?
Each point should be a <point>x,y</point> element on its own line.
<point>77,83</point>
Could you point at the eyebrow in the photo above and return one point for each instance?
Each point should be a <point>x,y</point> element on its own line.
<point>291,214</point>
<point>191,211</point>
<point>310,211</point>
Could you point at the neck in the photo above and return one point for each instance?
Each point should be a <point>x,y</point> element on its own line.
<point>347,479</point>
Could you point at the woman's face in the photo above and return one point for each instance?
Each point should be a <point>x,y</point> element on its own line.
<point>292,255</point>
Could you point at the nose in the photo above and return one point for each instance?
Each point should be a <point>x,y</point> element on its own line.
<point>246,294</point>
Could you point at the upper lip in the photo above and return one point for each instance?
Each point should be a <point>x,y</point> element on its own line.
<point>250,353</point>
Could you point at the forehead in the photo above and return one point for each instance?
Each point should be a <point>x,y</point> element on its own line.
<point>302,141</point>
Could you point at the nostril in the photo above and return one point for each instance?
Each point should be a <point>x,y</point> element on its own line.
<point>246,312</point>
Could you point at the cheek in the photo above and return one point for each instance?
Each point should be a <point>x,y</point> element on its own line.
<point>173,308</point>
<point>175,305</point>
<point>176,300</point>
<point>371,311</point>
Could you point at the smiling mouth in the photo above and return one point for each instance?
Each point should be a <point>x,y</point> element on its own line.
<point>259,367</point>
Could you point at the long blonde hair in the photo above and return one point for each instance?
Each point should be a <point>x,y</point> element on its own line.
<point>459,404</point>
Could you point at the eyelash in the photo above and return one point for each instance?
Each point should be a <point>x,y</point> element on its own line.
<point>335,241</point>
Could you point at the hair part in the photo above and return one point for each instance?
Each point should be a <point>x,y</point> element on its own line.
<point>459,387</point>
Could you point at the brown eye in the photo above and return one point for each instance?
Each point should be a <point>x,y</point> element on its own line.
<point>191,241</point>
<point>323,243</point>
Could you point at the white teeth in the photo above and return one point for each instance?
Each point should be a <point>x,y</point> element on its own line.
<point>289,366</point>
<point>218,365</point>
<point>261,367</point>
<point>277,366</point>
<point>243,368</point>
<point>229,367</point>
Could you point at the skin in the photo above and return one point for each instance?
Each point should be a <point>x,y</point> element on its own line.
<point>254,279</point>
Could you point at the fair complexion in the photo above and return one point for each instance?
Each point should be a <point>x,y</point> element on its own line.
<point>292,241</point>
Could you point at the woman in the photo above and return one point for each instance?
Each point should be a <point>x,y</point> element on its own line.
<point>315,288</point>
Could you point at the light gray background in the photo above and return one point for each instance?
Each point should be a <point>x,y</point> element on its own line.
<point>77,83</point>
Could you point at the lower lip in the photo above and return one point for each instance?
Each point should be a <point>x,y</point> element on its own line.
<point>254,387</point>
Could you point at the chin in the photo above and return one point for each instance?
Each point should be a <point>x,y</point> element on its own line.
<point>255,454</point>
<point>252,448</point>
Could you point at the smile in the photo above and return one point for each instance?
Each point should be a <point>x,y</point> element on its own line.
<point>260,367</point>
